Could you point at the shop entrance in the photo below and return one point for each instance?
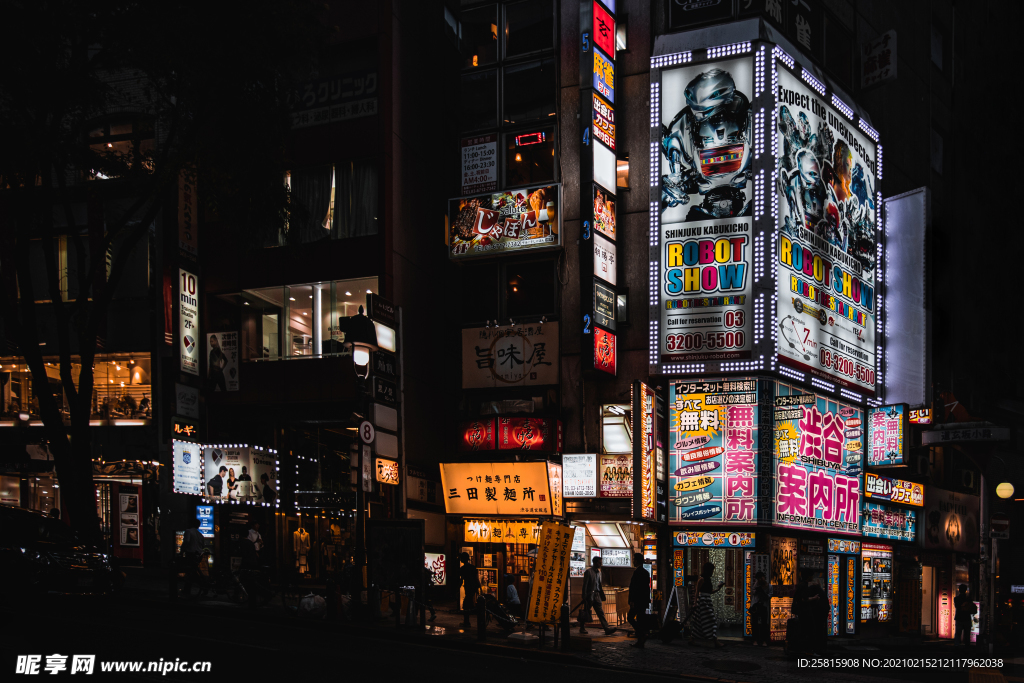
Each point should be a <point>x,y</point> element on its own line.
<point>729,601</point>
<point>928,601</point>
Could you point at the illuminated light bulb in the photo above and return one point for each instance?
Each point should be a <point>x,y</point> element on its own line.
<point>519,157</point>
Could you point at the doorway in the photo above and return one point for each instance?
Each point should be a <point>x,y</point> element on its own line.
<point>928,601</point>
<point>728,602</point>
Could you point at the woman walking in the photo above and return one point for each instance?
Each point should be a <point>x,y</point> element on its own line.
<point>705,624</point>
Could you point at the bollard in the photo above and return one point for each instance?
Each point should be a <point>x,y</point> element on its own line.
<point>481,619</point>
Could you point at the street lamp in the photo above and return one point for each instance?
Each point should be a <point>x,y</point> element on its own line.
<point>361,339</point>
<point>1005,490</point>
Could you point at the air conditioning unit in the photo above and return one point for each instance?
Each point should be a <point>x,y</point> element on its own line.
<point>967,478</point>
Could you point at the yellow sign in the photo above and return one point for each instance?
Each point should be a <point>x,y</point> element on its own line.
<point>387,471</point>
<point>555,484</point>
<point>496,488</point>
<point>550,572</point>
<point>694,483</point>
<point>501,531</point>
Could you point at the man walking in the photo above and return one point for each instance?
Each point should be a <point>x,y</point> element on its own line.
<point>471,584</point>
<point>964,616</point>
<point>192,545</point>
<point>639,600</point>
<point>593,597</point>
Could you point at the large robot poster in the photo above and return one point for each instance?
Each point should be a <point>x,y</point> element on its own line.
<point>706,246</point>
<point>828,222</point>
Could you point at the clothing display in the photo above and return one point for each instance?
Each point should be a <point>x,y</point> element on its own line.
<point>300,541</point>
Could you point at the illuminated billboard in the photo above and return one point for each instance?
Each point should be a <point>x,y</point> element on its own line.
<point>887,431</point>
<point>705,242</point>
<point>827,244</point>
<point>514,220</point>
<point>713,443</point>
<point>818,468</point>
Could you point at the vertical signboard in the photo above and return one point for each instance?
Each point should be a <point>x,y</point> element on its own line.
<point>705,245</point>
<point>188,212</point>
<point>187,468</point>
<point>188,321</point>
<point>887,431</point>
<point>851,595</point>
<point>818,467</point>
<point>713,446</point>
<point>644,429</point>
<point>598,183</point>
<point>833,595</point>
<point>828,232</point>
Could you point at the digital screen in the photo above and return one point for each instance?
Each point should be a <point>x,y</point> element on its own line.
<point>530,139</point>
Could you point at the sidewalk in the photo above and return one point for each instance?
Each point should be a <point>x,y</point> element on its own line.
<point>738,662</point>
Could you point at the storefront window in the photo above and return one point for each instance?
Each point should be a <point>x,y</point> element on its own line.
<point>529,91</point>
<point>122,386</point>
<point>299,321</point>
<point>529,157</point>
<point>615,434</point>
<point>529,27</point>
<point>480,36</point>
<point>10,490</point>
<point>529,289</point>
<point>330,202</point>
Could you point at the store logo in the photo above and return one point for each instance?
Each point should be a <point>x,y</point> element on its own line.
<point>190,343</point>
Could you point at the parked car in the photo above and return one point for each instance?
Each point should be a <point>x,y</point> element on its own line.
<point>40,553</point>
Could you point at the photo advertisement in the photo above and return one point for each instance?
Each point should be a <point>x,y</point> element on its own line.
<point>706,242</point>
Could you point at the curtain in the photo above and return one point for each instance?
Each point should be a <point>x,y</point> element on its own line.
<point>311,202</point>
<point>356,208</point>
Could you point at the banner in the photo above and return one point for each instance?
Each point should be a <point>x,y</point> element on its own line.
<point>187,469</point>
<point>222,361</point>
<point>239,474</point>
<point>514,220</point>
<point>713,441</point>
<point>521,355</point>
<point>818,465</point>
<point>895,524</point>
<point>706,226</point>
<point>496,488</point>
<point>550,572</point>
<point>828,224</point>
<point>501,531</point>
<point>188,321</point>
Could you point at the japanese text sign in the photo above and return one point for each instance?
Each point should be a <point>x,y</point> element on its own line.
<point>895,490</point>
<point>818,466</point>
<point>555,486</point>
<point>480,164</point>
<point>579,475</point>
<point>496,488</point>
<point>605,351</point>
<point>387,471</point>
<point>604,122</point>
<point>604,75</point>
<point>644,430</point>
<point>516,220</point>
<point>713,445</point>
<point>604,30</point>
<point>616,476</point>
<point>529,434</point>
<point>550,572</point>
<point>895,524</point>
<point>714,539</point>
<point>477,435</point>
<point>501,531</point>
<point>878,60</point>
<point>522,355</point>
<point>887,431</point>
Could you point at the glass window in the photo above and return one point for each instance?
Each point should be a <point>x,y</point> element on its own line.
<point>120,146</point>
<point>299,321</point>
<point>479,101</point>
<point>529,157</point>
<point>615,429</point>
<point>529,289</point>
<point>10,490</point>
<point>529,91</point>
<point>529,27</point>
<point>331,202</point>
<point>479,297</point>
<point>480,36</point>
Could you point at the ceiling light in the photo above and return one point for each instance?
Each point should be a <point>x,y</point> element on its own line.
<point>348,293</point>
<point>303,313</point>
<point>246,303</point>
<point>369,292</point>
<point>291,298</point>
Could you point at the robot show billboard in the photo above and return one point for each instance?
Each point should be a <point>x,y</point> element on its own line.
<point>827,246</point>
<point>705,228</point>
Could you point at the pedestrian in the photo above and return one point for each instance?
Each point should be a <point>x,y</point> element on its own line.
<point>192,545</point>
<point>759,610</point>
<point>426,599</point>
<point>964,616</point>
<point>471,584</point>
<point>254,536</point>
<point>54,513</point>
<point>705,622</point>
<point>593,597</point>
<point>639,600</point>
<point>512,596</point>
<point>810,605</point>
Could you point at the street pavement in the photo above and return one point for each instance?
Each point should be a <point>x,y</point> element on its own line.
<point>141,623</point>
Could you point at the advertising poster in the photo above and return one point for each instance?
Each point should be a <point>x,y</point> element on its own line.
<point>579,473</point>
<point>712,440</point>
<point>128,520</point>
<point>496,488</point>
<point>604,304</point>
<point>616,476</point>
<point>549,573</point>
<point>605,351</point>
<point>827,242</point>
<point>516,356</point>
<point>818,464</point>
<point>706,247</point>
<point>187,474</point>
<point>236,473</point>
<point>617,557</point>
<point>604,211</point>
<point>894,524</point>
<point>435,564</point>
<point>578,553</point>
<point>186,401</point>
<point>480,164</point>
<point>887,429</point>
<point>781,612</point>
<point>851,594</point>
<point>876,582</point>
<point>222,361</point>
<point>783,562</point>
<point>951,521</point>
<point>878,488</point>
<point>188,321</point>
<point>517,220</point>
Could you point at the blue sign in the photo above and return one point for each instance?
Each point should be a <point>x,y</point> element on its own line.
<point>204,513</point>
<point>604,75</point>
<point>700,512</point>
<point>894,524</point>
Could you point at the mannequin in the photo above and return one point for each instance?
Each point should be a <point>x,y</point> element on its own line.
<point>300,542</point>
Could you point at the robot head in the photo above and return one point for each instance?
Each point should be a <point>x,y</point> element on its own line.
<point>807,165</point>
<point>709,92</point>
<point>720,123</point>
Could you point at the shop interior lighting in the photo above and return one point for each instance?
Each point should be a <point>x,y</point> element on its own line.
<point>617,438</point>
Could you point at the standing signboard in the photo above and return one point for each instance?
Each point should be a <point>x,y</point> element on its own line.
<point>550,573</point>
